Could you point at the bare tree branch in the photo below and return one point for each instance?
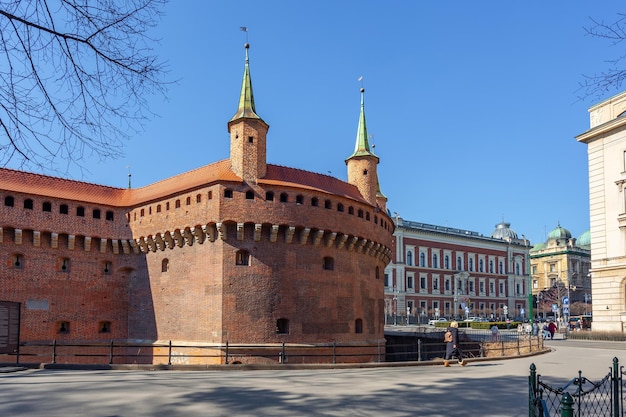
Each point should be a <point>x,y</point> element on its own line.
<point>74,76</point>
<point>596,85</point>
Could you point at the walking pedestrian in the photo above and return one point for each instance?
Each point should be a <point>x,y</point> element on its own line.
<point>452,344</point>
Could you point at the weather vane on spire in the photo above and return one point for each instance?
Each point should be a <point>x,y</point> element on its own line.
<point>361,81</point>
<point>244,29</point>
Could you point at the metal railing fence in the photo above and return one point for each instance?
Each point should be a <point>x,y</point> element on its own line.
<point>579,397</point>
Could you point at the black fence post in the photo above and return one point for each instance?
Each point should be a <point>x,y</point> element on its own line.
<point>532,389</point>
<point>111,352</point>
<point>616,384</point>
<point>54,351</point>
<point>226,354</point>
<point>169,353</point>
<point>419,350</point>
<point>566,405</point>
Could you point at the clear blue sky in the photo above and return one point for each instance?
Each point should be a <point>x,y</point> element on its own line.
<point>472,104</point>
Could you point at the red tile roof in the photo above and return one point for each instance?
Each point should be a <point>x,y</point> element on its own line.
<point>43,185</point>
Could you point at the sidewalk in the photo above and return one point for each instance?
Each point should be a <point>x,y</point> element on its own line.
<point>492,388</point>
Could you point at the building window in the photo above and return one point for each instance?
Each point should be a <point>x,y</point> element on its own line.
<point>351,211</point>
<point>249,195</point>
<point>446,262</point>
<point>269,196</point>
<point>422,259</point>
<point>282,326</point>
<point>502,289</point>
<point>329,205</point>
<point>46,206</point>
<point>471,286</point>
<point>315,202</point>
<point>9,201</point>
<point>386,280</point>
<point>299,200</point>
<point>63,327</point>
<point>104,327</point>
<point>435,261</point>
<point>492,289</point>
<point>360,213</point>
<point>198,198</point>
<point>340,207</point>
<point>188,201</point>
<point>158,209</point>
<point>64,265</point>
<point>167,205</point>
<point>107,268</point>
<point>210,195</point>
<point>358,326</point>
<point>80,211</point>
<point>435,283</point>
<point>409,258</point>
<point>409,282</point>
<point>96,213</point>
<point>491,267</point>
<point>422,283</point>
<point>517,269</point>
<point>242,257</point>
<point>481,265</point>
<point>481,287</point>
<point>367,216</point>
<point>228,193</point>
<point>447,285</point>
<point>459,263</point>
<point>501,267</point>
<point>109,215</point>
<point>142,212</point>
<point>177,204</point>
<point>28,204</point>
<point>470,263</point>
<point>165,265</point>
<point>328,263</point>
<point>284,198</point>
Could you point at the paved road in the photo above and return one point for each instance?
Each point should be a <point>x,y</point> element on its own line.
<point>488,388</point>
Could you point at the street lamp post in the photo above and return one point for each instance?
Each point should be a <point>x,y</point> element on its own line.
<point>530,279</point>
<point>395,306</point>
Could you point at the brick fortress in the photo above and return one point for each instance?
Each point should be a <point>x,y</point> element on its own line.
<point>238,251</point>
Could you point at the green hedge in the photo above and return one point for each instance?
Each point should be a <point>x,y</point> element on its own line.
<point>479,325</point>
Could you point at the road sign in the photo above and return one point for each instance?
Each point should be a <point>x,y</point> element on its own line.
<point>566,300</point>
<point>565,310</point>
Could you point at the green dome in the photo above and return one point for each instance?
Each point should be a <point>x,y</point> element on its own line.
<point>584,240</point>
<point>559,233</point>
<point>538,247</point>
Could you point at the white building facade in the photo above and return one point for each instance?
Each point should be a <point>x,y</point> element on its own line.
<point>606,149</point>
<point>439,271</point>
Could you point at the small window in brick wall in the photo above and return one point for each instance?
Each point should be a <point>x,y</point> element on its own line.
<point>299,200</point>
<point>242,257</point>
<point>28,204</point>
<point>284,198</point>
<point>282,326</point>
<point>328,204</point>
<point>96,213</point>
<point>46,206</point>
<point>358,326</point>
<point>249,195</point>
<point>63,209</point>
<point>269,196</point>
<point>165,265</point>
<point>329,263</point>
<point>315,202</point>
<point>9,201</point>
<point>104,327</point>
<point>228,193</point>
<point>80,211</point>
<point>109,215</point>
<point>63,327</point>
<point>106,267</point>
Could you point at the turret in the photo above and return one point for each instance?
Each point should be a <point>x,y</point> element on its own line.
<point>248,134</point>
<point>362,164</point>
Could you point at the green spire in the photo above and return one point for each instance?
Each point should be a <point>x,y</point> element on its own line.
<point>362,146</point>
<point>246,99</point>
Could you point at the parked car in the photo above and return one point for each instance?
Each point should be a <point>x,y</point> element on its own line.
<point>472,319</point>
<point>432,322</point>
